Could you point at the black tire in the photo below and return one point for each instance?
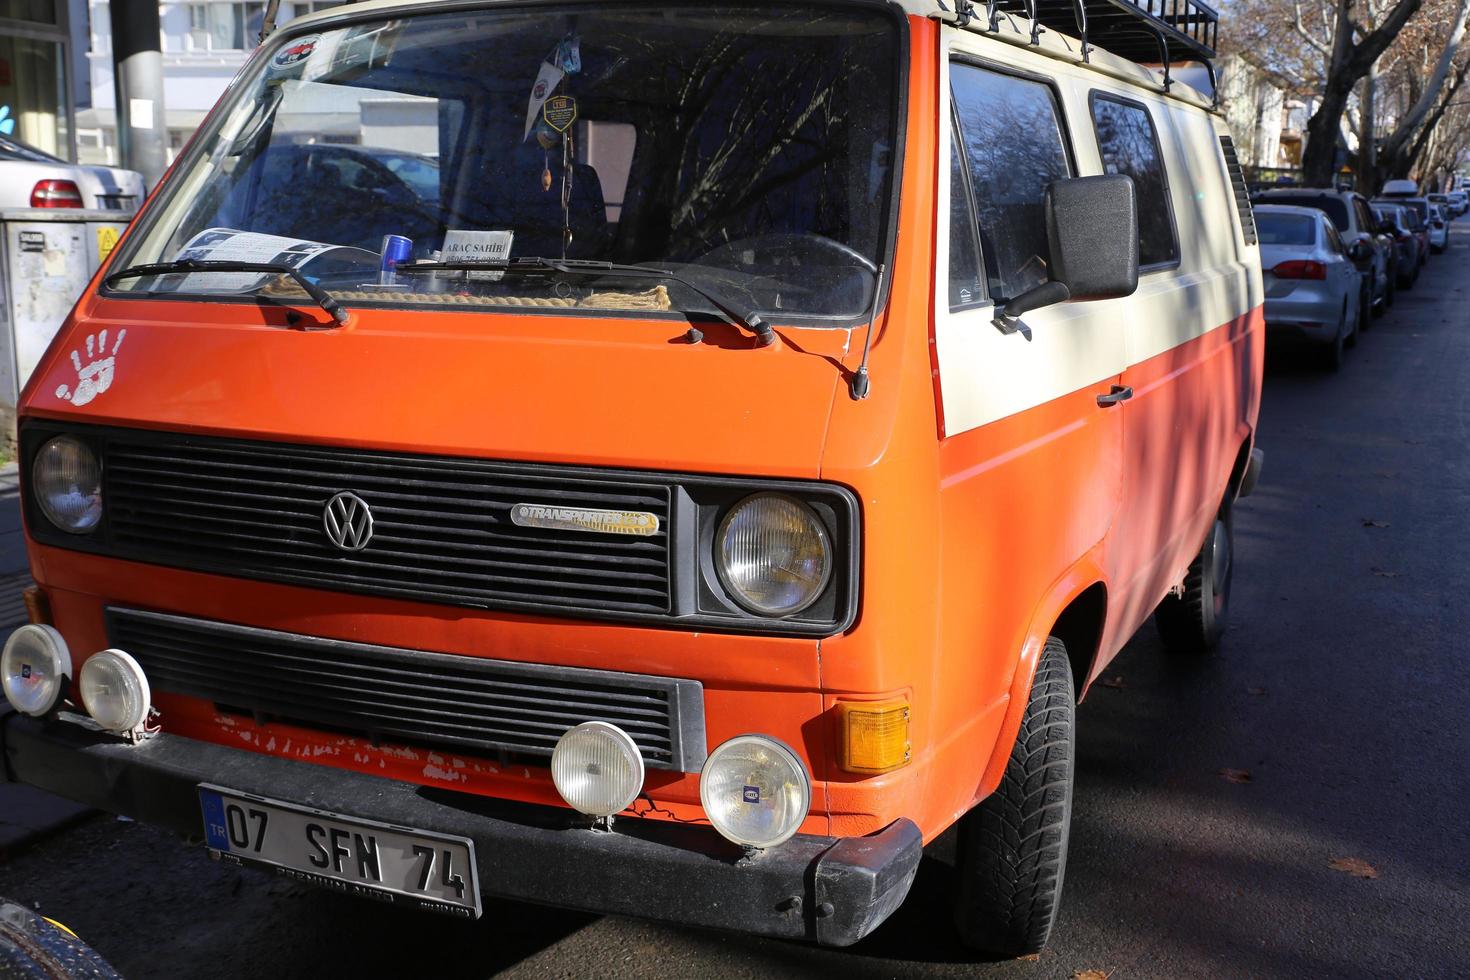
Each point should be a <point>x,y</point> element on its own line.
<point>1389,292</point>
<point>1013,846</point>
<point>1365,316</point>
<point>1193,623</point>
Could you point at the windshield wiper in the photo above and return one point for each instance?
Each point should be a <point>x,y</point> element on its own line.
<point>745,320</point>
<point>317,293</point>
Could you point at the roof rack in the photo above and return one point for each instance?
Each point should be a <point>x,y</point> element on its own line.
<point>1144,31</point>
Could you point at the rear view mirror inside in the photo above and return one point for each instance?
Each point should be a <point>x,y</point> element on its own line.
<point>1092,237</point>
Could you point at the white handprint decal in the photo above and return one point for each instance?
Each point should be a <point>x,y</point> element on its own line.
<point>96,376</point>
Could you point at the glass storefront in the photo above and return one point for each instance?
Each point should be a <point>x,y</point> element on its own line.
<point>34,91</point>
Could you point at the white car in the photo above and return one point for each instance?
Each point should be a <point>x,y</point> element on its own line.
<point>1439,229</point>
<point>32,178</point>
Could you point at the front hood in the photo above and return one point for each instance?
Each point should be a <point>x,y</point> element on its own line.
<point>596,390</point>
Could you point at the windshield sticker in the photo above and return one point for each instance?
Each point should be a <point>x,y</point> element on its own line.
<point>295,53</point>
<point>560,112</point>
<point>547,79</point>
<point>477,246</point>
<point>639,523</point>
<point>227,244</point>
<point>96,375</point>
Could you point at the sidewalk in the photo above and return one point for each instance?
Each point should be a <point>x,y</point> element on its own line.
<point>25,813</point>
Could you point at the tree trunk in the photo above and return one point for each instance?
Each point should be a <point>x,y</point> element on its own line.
<point>1367,155</point>
<point>1319,160</point>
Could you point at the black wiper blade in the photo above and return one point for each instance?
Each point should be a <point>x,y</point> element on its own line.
<point>317,293</point>
<point>535,263</point>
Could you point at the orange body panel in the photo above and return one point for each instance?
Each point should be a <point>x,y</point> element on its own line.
<point>972,544</point>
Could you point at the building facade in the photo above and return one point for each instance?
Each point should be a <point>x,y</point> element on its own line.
<point>39,74</point>
<point>204,43</point>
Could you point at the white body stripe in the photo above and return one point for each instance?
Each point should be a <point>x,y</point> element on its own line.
<point>985,375</point>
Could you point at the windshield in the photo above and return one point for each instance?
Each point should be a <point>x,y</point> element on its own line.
<point>1275,228</point>
<point>747,149</point>
<point>14,149</point>
<point>1333,207</point>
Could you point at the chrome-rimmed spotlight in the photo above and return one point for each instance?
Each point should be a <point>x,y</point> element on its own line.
<point>115,692</point>
<point>755,790</point>
<point>597,768</point>
<point>34,668</point>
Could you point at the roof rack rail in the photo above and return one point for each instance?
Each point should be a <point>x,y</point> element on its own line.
<point>1145,31</point>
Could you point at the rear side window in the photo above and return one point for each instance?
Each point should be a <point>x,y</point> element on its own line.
<point>1013,143</point>
<point>1130,145</point>
<point>1365,217</point>
<point>1286,229</point>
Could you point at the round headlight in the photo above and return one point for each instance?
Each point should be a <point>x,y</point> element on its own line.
<point>114,690</point>
<point>755,790</point>
<point>597,768</point>
<point>773,554</point>
<point>34,668</point>
<point>67,483</point>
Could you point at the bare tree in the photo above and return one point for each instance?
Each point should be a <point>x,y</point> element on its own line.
<point>1348,61</point>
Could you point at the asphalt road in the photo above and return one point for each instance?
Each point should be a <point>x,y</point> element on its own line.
<point>1342,690</point>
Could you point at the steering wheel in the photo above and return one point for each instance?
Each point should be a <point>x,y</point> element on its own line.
<point>792,244</point>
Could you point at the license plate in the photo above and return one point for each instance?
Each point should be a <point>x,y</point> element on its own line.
<point>435,872</point>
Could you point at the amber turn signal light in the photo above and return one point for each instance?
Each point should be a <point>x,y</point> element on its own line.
<point>38,609</point>
<point>873,736</point>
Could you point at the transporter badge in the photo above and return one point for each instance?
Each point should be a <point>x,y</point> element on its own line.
<point>584,519</point>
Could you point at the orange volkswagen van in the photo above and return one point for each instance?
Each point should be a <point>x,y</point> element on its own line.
<point>672,460</point>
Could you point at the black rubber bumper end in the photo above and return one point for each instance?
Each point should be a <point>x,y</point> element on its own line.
<point>860,881</point>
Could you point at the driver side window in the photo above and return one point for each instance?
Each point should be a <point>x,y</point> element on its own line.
<point>1012,136</point>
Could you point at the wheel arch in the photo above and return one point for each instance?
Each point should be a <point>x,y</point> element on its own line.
<point>1076,604</point>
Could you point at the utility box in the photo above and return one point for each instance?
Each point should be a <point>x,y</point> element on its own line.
<point>47,257</point>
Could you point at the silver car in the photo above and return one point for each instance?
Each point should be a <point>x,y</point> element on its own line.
<point>32,178</point>
<point>1313,287</point>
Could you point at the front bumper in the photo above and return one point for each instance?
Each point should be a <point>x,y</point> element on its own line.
<point>829,890</point>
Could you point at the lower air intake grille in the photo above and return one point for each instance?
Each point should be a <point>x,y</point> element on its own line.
<point>423,699</point>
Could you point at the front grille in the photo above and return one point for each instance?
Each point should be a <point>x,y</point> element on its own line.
<point>423,699</point>
<point>442,529</point>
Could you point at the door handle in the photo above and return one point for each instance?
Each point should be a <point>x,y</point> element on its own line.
<point>1120,393</point>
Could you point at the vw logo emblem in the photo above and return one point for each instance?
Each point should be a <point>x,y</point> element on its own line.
<point>348,522</point>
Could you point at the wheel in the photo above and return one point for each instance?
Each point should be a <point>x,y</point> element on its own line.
<point>1194,622</point>
<point>1389,291</point>
<point>1013,846</point>
<point>1334,353</point>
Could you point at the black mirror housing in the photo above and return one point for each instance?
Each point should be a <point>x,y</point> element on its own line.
<point>1092,233</point>
<point>1092,238</point>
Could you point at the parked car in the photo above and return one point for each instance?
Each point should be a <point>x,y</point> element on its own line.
<point>646,584</point>
<point>1407,244</point>
<point>1406,193</point>
<point>32,178</point>
<point>1439,229</point>
<point>1353,218</point>
<point>1443,200</point>
<point>1313,288</point>
<point>1459,202</point>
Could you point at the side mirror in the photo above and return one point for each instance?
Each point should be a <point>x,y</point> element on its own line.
<point>1092,238</point>
<point>1360,250</point>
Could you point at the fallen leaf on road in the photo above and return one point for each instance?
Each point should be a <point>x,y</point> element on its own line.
<point>1371,523</point>
<point>1091,975</point>
<point>1384,573</point>
<point>1236,775</point>
<point>1115,682</point>
<point>1257,691</point>
<point>1356,867</point>
<point>1032,958</point>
